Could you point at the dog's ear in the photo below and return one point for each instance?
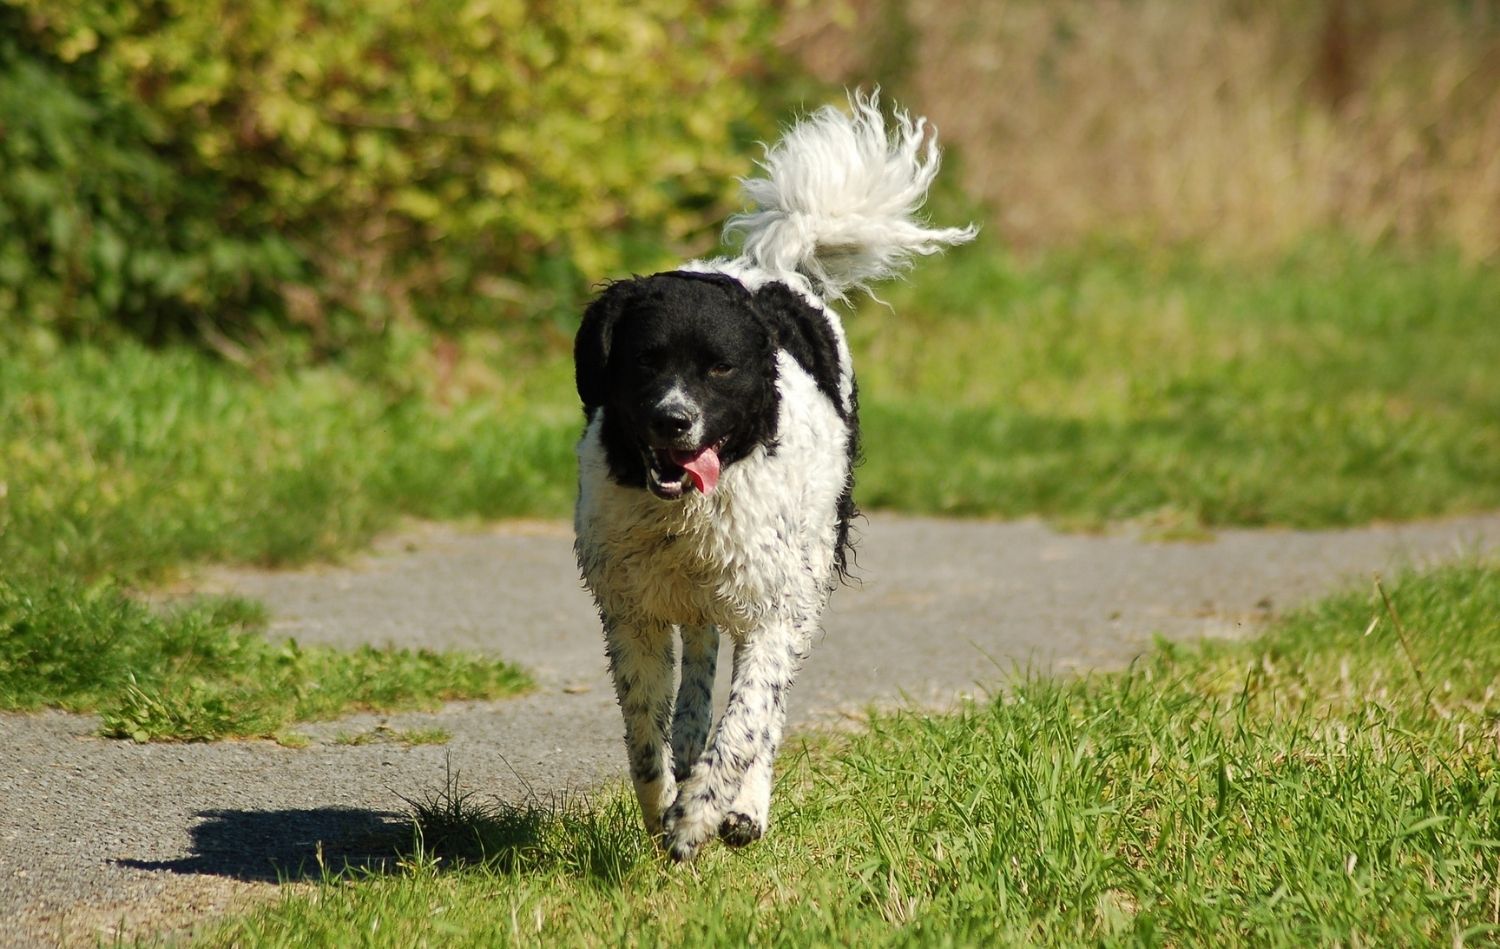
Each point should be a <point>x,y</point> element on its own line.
<point>591,345</point>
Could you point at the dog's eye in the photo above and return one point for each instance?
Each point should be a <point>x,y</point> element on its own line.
<point>720,369</point>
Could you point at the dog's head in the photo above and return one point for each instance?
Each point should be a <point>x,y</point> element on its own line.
<point>684,367</point>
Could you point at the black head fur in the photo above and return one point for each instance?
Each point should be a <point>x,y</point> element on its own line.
<point>708,335</point>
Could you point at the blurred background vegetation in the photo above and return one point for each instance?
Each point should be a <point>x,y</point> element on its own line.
<point>229,170</point>
<point>316,171</point>
<point>1246,127</point>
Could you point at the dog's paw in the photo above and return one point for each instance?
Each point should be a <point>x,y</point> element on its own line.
<point>738,829</point>
<point>682,851</point>
<point>686,827</point>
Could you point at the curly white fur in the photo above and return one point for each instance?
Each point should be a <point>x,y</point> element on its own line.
<point>840,199</point>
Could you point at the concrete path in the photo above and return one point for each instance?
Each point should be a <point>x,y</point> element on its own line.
<point>96,835</point>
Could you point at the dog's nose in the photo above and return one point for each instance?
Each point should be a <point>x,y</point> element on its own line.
<point>669,423</point>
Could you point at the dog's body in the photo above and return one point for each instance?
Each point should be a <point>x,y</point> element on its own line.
<point>715,472</point>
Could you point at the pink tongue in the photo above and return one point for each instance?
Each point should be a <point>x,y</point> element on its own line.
<point>702,466</point>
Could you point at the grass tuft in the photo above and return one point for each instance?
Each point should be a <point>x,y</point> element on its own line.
<point>384,734</point>
<point>566,836</point>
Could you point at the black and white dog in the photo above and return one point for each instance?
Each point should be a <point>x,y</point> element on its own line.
<point>715,482</point>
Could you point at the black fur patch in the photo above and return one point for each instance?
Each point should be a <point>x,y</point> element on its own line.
<point>804,333</point>
<point>738,830</point>
<point>646,335</point>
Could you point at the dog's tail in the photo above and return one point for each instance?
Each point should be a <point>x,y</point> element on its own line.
<point>840,197</point>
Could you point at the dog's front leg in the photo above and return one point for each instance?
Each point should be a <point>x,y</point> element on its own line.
<point>695,697</point>
<point>765,663</point>
<point>640,660</point>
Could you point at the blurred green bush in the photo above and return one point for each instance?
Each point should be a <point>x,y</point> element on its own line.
<point>225,168</point>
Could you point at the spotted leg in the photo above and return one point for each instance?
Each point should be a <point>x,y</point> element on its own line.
<point>765,663</point>
<point>640,660</point>
<point>695,697</point>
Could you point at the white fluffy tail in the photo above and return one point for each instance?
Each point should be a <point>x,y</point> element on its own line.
<point>840,198</point>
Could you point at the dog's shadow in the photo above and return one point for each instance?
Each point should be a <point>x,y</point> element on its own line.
<point>289,845</point>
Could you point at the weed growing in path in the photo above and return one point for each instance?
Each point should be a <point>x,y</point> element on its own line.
<point>384,734</point>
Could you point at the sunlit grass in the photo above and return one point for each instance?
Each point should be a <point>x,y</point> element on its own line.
<point>206,670</point>
<point>1336,387</point>
<point>126,462</point>
<point>1323,784</point>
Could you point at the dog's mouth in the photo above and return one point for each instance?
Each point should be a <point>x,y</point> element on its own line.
<point>672,472</point>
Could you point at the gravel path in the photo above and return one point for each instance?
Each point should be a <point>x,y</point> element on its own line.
<point>96,835</point>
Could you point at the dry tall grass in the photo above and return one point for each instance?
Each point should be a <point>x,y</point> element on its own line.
<point>1242,127</point>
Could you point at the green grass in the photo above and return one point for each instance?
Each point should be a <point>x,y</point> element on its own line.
<point>1323,784</point>
<point>1331,388</point>
<point>383,734</point>
<point>206,670</point>
<point>119,465</point>
<point>127,462</point>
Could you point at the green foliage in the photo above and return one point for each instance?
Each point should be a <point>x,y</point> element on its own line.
<point>457,161</point>
<point>99,225</point>
<point>205,671</point>
<point>1300,789</point>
